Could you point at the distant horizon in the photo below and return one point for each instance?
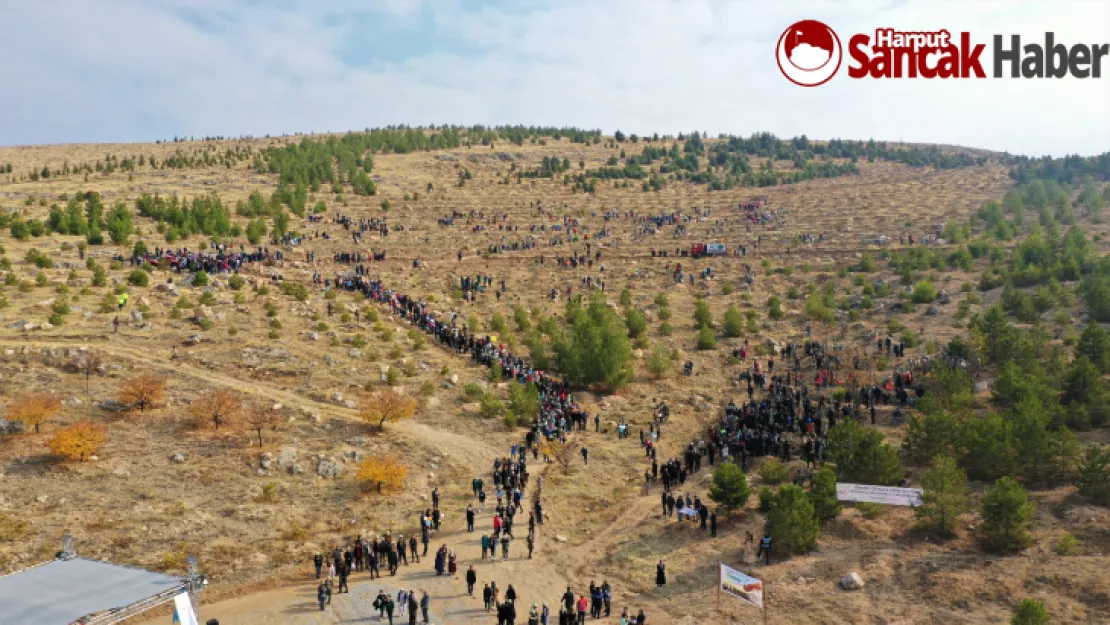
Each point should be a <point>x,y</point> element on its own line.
<point>604,133</point>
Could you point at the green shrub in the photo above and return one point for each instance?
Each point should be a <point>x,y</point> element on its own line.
<point>766,498</point>
<point>39,259</point>
<point>774,308</point>
<point>207,298</point>
<point>659,362</point>
<point>200,279</point>
<point>235,283</point>
<point>734,323</point>
<point>1030,612</point>
<point>635,322</point>
<point>1066,545</point>
<point>706,340</point>
<point>520,318</point>
<point>490,406</point>
<point>870,511</point>
<point>771,471</point>
<point>703,317</point>
<point>524,402</point>
<point>924,293</point>
<point>473,390</point>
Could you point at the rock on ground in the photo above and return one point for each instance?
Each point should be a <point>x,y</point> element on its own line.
<point>851,581</point>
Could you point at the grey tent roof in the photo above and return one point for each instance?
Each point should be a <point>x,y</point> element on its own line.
<point>61,591</point>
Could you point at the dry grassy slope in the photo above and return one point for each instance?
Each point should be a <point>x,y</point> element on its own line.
<point>134,505</point>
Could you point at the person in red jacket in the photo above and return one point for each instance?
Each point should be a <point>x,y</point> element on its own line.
<point>582,604</point>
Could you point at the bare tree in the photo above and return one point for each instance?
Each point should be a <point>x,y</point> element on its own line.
<point>88,363</point>
<point>259,417</point>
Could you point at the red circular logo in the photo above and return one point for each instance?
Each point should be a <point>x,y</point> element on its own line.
<point>809,53</point>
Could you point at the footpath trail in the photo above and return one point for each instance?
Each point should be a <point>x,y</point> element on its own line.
<point>535,580</point>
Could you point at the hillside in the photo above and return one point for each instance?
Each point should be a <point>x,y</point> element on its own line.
<point>832,248</point>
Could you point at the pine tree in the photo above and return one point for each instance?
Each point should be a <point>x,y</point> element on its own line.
<point>944,497</point>
<point>860,455</point>
<point>1007,514</point>
<point>734,323</point>
<point>730,487</point>
<point>794,526</point>
<point>823,495</point>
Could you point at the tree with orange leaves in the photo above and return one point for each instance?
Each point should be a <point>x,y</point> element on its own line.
<point>219,408</point>
<point>386,405</point>
<point>145,391</point>
<point>78,441</point>
<point>259,417</point>
<point>385,472</point>
<point>34,410</point>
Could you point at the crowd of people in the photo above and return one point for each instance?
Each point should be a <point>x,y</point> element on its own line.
<point>222,260</point>
<point>557,417</point>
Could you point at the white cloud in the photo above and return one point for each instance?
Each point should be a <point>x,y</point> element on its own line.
<point>140,70</point>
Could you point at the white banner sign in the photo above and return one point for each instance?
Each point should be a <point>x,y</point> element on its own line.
<point>741,586</point>
<point>890,495</point>
<point>183,610</point>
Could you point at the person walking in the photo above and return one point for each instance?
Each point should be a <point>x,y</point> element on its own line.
<point>323,593</point>
<point>469,518</point>
<point>487,597</point>
<point>389,605</point>
<point>713,524</point>
<point>425,605</point>
<point>660,575</point>
<point>586,456</point>
<point>471,579</point>
<point>344,571</point>
<point>318,562</point>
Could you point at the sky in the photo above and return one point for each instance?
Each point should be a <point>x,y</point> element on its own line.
<point>141,70</point>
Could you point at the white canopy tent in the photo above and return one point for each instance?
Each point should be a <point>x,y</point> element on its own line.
<point>71,590</point>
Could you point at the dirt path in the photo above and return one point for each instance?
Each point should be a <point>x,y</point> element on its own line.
<point>535,580</point>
